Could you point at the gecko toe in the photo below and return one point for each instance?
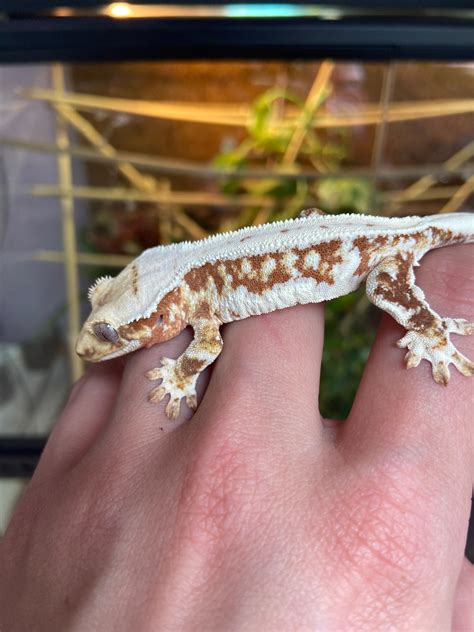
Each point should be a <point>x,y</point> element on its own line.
<point>403,342</point>
<point>441,373</point>
<point>459,326</point>
<point>157,394</point>
<point>463,364</point>
<point>439,352</point>
<point>169,363</point>
<point>172,408</point>
<point>191,401</point>
<point>173,384</point>
<point>154,374</point>
<point>412,360</point>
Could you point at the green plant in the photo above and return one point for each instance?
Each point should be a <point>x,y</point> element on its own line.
<point>350,327</point>
<point>267,145</point>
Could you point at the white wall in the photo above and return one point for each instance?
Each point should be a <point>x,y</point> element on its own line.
<point>29,291</point>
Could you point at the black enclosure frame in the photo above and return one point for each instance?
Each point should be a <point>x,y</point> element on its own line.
<point>27,6</point>
<point>105,39</point>
<point>367,29</point>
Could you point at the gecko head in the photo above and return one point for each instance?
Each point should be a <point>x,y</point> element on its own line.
<point>124,319</point>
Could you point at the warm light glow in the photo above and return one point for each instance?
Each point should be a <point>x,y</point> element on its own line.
<point>120,10</point>
<point>248,10</point>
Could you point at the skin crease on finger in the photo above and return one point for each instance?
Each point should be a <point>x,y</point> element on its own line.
<point>244,518</point>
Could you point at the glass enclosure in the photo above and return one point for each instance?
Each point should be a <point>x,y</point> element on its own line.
<point>99,161</point>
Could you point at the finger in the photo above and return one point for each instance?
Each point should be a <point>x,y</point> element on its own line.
<point>87,411</point>
<point>265,384</point>
<point>409,439</point>
<point>463,617</point>
<point>134,411</point>
<point>397,408</point>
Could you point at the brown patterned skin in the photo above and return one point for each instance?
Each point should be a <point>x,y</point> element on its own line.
<point>391,286</point>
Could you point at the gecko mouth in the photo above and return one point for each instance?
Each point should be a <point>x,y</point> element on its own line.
<point>89,348</point>
<point>128,348</point>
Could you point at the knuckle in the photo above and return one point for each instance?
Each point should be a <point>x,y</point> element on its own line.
<point>222,491</point>
<point>381,528</point>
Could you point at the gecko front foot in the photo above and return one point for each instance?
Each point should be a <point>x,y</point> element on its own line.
<point>438,350</point>
<point>174,385</point>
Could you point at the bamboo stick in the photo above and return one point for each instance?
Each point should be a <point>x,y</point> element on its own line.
<point>193,112</point>
<point>312,103</point>
<point>239,115</point>
<point>459,197</point>
<point>381,125</point>
<point>204,198</point>
<point>199,198</point>
<point>185,198</point>
<point>161,164</point>
<point>96,139</point>
<point>129,171</point>
<point>184,167</point>
<point>433,193</point>
<point>120,261</point>
<point>455,161</point>
<point>69,231</point>
<point>211,199</point>
<point>84,258</point>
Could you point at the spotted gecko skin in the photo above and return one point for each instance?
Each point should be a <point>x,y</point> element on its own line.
<point>259,269</point>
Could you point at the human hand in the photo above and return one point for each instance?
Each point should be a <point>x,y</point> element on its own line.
<point>255,515</point>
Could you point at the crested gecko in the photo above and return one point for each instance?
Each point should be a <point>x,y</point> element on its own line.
<point>259,269</point>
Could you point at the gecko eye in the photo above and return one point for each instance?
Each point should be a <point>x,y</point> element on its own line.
<point>105,332</point>
<point>159,320</point>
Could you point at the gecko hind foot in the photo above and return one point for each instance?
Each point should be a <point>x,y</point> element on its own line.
<point>174,385</point>
<point>440,352</point>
